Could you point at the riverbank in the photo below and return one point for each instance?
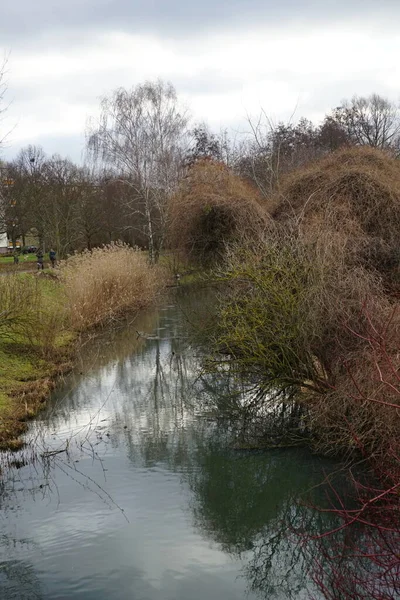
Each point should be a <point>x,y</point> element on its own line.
<point>33,351</point>
<point>45,316</point>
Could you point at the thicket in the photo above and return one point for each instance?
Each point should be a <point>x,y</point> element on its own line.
<point>213,207</point>
<point>310,316</point>
<point>298,292</point>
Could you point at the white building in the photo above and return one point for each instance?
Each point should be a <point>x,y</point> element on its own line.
<point>3,243</point>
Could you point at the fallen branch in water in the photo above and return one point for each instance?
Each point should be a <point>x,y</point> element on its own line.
<point>53,452</point>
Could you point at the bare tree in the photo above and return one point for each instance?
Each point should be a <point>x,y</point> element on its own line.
<point>3,167</point>
<point>139,135</point>
<point>24,192</point>
<point>273,149</point>
<point>60,202</point>
<point>3,105</point>
<point>372,120</point>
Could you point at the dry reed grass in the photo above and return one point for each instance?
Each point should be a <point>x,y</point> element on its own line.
<point>106,282</point>
<point>212,208</point>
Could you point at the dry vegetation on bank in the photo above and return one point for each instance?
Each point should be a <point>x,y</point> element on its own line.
<point>353,197</point>
<point>309,316</point>
<point>213,207</point>
<point>42,315</point>
<point>305,282</point>
<point>109,281</point>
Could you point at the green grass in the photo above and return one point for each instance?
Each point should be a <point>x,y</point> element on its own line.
<point>23,258</point>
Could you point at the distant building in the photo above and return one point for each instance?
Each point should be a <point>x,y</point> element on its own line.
<point>3,243</point>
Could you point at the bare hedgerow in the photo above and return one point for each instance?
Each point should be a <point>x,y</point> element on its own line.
<point>106,282</point>
<point>286,320</point>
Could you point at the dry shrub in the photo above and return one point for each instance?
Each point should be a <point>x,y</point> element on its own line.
<point>212,208</point>
<point>354,192</point>
<point>106,282</point>
<point>292,321</point>
<point>336,291</point>
<point>361,410</point>
<point>284,310</point>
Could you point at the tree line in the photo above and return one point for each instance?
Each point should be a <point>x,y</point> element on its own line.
<point>141,147</point>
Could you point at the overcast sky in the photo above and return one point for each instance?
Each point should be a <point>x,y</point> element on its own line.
<point>226,59</point>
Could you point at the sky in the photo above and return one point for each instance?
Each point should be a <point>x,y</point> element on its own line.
<point>227,59</point>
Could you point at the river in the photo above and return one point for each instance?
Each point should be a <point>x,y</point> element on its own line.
<point>128,489</point>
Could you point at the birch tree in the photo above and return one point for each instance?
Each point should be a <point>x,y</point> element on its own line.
<point>139,135</point>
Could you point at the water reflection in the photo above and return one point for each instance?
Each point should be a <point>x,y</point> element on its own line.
<point>134,492</point>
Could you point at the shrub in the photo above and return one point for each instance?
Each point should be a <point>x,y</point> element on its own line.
<point>361,560</point>
<point>360,411</point>
<point>32,311</point>
<point>212,208</point>
<point>282,314</point>
<point>18,299</point>
<point>104,283</point>
<point>354,192</point>
<point>50,318</point>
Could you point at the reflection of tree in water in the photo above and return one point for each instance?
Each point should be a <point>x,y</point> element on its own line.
<point>157,403</point>
<point>244,501</point>
<point>18,580</point>
<point>249,503</point>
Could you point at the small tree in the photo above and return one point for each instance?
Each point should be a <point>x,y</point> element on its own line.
<point>139,135</point>
<point>205,145</point>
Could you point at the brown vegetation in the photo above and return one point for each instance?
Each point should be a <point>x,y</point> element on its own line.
<point>312,314</point>
<point>298,309</point>
<point>212,208</point>
<point>106,282</point>
<point>354,196</point>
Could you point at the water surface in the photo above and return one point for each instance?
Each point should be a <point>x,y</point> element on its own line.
<point>147,497</point>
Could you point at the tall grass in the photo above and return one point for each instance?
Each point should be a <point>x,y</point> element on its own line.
<point>32,312</point>
<point>18,296</point>
<point>106,282</point>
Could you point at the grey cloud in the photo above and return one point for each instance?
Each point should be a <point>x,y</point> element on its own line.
<point>30,20</point>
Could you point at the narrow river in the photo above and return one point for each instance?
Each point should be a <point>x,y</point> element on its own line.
<point>130,491</point>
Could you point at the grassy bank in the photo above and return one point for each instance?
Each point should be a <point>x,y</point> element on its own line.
<point>43,317</point>
<point>26,262</point>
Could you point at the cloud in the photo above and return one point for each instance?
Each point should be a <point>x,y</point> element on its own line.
<point>178,18</point>
<point>281,59</point>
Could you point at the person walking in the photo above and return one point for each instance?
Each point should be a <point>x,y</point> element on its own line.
<point>52,257</point>
<point>39,256</point>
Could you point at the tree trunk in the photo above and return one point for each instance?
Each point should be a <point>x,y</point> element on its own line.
<point>150,234</point>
